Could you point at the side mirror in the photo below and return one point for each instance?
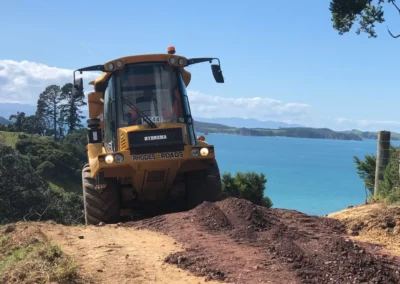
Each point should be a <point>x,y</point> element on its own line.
<point>77,88</point>
<point>78,84</point>
<point>216,69</point>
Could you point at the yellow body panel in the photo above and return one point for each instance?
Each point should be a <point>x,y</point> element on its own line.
<point>138,171</point>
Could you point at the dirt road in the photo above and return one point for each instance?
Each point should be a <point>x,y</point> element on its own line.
<point>232,241</point>
<point>112,254</point>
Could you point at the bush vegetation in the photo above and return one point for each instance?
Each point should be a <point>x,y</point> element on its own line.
<point>389,187</point>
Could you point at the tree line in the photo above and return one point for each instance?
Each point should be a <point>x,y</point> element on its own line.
<point>57,113</point>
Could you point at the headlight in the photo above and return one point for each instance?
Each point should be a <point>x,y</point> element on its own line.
<point>119,64</point>
<point>119,158</point>
<point>195,152</point>
<point>204,152</point>
<point>180,61</point>
<point>172,60</point>
<point>109,159</point>
<point>110,66</point>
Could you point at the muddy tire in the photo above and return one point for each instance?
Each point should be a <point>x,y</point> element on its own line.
<point>203,185</point>
<point>100,206</point>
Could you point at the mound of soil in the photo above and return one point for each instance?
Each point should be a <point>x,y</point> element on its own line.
<point>236,241</point>
<point>211,217</point>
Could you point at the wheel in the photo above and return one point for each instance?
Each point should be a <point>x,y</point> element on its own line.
<point>204,185</point>
<point>100,206</point>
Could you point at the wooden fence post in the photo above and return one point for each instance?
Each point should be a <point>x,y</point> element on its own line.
<point>382,157</point>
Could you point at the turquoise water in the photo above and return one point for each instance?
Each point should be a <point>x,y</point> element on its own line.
<point>314,176</point>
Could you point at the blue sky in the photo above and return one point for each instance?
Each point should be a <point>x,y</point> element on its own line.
<point>284,52</point>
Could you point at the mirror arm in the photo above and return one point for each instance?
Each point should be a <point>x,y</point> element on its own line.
<point>89,68</point>
<point>200,60</point>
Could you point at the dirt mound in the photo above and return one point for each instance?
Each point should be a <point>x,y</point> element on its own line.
<point>236,241</point>
<point>211,217</point>
<point>244,214</point>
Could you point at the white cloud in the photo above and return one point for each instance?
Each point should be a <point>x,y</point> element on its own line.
<point>22,82</point>
<point>260,108</point>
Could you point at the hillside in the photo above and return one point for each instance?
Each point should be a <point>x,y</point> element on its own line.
<point>230,241</point>
<point>371,135</point>
<point>3,120</point>
<point>68,163</point>
<point>247,122</point>
<point>296,132</point>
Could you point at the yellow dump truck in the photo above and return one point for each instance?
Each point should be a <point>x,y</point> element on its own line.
<point>143,152</point>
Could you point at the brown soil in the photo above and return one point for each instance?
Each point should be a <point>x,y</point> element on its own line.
<point>113,254</point>
<point>231,241</point>
<point>235,241</point>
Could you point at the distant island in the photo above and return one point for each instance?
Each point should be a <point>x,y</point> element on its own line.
<point>294,132</point>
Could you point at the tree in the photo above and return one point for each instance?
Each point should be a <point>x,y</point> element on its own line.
<point>49,106</point>
<point>366,170</point>
<point>70,109</point>
<point>17,120</point>
<point>41,115</point>
<point>366,12</point>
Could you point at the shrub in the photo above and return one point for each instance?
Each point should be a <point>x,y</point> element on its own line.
<point>249,185</point>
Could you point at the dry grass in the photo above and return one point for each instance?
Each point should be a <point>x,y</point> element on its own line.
<point>26,256</point>
<point>376,223</point>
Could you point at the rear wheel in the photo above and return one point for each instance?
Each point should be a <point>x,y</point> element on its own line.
<point>203,186</point>
<point>103,205</point>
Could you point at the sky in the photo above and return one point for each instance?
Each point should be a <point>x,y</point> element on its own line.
<point>282,60</point>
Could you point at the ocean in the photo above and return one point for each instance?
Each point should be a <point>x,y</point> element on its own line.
<point>313,176</point>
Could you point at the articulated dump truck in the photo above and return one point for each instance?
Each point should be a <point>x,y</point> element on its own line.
<point>143,152</point>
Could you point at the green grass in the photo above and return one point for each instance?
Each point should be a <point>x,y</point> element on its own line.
<point>62,185</point>
<point>3,240</point>
<point>34,260</point>
<point>15,256</point>
<point>9,138</point>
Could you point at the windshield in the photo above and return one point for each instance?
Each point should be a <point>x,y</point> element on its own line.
<point>154,88</point>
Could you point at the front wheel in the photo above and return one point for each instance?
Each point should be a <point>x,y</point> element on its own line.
<point>100,206</point>
<point>204,185</point>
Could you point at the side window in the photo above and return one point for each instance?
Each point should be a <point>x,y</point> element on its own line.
<point>187,112</point>
<point>108,116</point>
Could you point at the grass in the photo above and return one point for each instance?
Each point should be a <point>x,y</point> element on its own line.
<point>26,256</point>
<point>9,138</point>
<point>15,256</point>
<point>67,186</point>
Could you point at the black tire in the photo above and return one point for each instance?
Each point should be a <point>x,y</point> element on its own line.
<point>203,186</point>
<point>100,206</point>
